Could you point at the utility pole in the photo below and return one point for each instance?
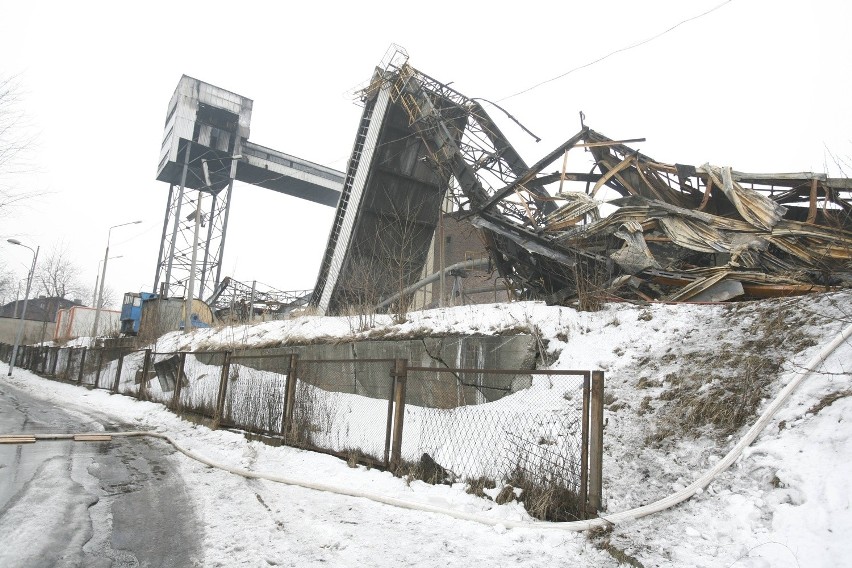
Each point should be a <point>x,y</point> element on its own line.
<point>20,333</point>
<point>103,278</point>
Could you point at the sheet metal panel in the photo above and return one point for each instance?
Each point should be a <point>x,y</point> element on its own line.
<point>353,205</point>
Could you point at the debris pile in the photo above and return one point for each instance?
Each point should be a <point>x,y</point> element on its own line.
<point>673,232</point>
<point>703,233</point>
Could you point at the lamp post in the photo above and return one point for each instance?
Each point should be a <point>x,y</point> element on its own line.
<point>190,287</point>
<point>103,277</point>
<point>20,333</point>
<point>97,279</point>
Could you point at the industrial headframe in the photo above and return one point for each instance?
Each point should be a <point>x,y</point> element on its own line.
<point>674,232</point>
<point>205,149</point>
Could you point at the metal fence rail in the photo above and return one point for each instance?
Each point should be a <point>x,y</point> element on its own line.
<point>451,424</point>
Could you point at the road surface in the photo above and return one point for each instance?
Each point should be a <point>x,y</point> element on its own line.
<point>100,504</point>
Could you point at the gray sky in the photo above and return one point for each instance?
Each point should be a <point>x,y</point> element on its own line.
<point>759,85</point>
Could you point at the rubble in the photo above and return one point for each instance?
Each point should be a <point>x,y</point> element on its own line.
<point>674,232</point>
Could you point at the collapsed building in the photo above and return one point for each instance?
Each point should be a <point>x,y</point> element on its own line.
<point>672,232</point>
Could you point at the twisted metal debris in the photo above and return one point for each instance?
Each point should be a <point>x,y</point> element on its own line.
<point>674,232</point>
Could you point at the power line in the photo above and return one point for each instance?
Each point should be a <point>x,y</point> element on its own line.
<point>620,50</point>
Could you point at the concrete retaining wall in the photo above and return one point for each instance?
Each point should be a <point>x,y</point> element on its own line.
<point>433,389</point>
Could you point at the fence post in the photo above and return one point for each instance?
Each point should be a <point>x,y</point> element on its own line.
<point>100,364</point>
<point>223,389</point>
<point>142,393</point>
<point>400,374</point>
<point>596,442</point>
<point>82,364</point>
<point>119,365</point>
<point>289,397</point>
<point>584,449</point>
<point>389,423</point>
<point>27,356</point>
<point>175,405</point>
<point>54,361</point>
<point>67,373</point>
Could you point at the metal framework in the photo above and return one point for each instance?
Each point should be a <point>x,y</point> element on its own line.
<point>674,232</point>
<point>174,261</point>
<point>239,302</point>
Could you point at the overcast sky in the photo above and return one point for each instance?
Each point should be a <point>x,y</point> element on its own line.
<point>759,85</point>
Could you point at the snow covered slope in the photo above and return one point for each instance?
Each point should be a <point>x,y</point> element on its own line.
<point>683,382</point>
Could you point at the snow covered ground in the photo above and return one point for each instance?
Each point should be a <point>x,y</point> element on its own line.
<point>786,502</point>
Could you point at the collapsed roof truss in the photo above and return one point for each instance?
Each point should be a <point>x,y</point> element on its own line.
<point>674,232</point>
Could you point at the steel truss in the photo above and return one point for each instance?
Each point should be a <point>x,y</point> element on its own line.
<point>174,262</point>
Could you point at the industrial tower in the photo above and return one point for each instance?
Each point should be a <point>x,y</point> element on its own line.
<point>205,149</point>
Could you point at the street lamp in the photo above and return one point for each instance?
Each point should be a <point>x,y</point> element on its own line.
<point>103,277</point>
<point>187,309</point>
<point>20,333</point>
<point>97,279</point>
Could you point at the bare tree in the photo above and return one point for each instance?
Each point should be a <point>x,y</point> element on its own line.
<point>8,283</point>
<point>57,276</point>
<point>108,298</point>
<point>14,143</point>
<point>390,254</point>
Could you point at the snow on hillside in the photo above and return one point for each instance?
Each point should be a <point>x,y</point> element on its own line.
<point>683,383</point>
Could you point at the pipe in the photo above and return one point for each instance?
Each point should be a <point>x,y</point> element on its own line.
<point>573,526</point>
<point>475,263</point>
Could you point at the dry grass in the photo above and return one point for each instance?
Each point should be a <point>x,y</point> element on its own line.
<point>355,456</point>
<point>477,485</point>
<point>546,496</point>
<point>427,469</point>
<point>718,390</point>
<point>828,400</point>
<point>618,554</point>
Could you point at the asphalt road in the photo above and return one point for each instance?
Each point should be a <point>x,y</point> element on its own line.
<point>63,503</point>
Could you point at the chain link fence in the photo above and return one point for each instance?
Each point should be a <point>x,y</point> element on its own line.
<point>534,429</point>
<point>254,399</point>
<point>341,406</point>
<point>487,425</point>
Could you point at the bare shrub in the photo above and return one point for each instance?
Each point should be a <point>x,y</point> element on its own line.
<point>546,495</point>
<point>590,281</point>
<point>478,485</point>
<point>547,478</point>
<point>313,416</point>
<point>255,400</point>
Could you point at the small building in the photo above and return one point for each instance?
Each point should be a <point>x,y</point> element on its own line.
<point>39,321</point>
<point>162,315</point>
<point>77,321</point>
